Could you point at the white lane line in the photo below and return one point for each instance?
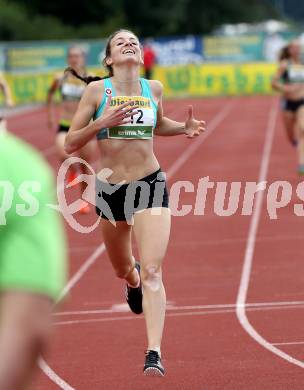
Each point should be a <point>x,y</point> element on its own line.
<point>74,280</point>
<point>122,307</point>
<point>209,242</point>
<point>177,314</point>
<point>82,270</point>
<point>249,252</point>
<point>290,343</point>
<point>91,260</point>
<point>53,376</point>
<point>212,125</point>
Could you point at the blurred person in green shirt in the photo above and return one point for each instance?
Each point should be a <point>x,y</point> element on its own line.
<point>32,259</point>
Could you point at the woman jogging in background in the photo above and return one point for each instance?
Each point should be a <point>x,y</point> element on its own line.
<point>71,91</point>
<point>289,81</point>
<point>127,112</point>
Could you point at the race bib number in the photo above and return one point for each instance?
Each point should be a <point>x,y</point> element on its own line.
<point>141,124</point>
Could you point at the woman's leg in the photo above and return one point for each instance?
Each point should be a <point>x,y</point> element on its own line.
<point>300,128</point>
<point>87,153</point>
<point>117,240</point>
<point>289,120</point>
<point>25,321</point>
<point>152,235</point>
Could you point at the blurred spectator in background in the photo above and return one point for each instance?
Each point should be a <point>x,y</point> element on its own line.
<point>273,43</point>
<point>149,59</point>
<point>32,259</point>
<point>4,87</point>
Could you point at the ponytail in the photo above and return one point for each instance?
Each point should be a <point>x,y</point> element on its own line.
<point>85,79</point>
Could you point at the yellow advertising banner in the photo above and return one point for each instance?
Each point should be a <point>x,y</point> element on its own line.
<point>179,81</point>
<point>216,79</point>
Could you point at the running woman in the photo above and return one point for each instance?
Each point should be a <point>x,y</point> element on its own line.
<point>4,87</point>
<point>289,81</point>
<point>71,91</point>
<point>32,260</point>
<point>127,112</point>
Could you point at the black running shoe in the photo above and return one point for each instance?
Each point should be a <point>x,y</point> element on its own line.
<point>153,365</point>
<point>134,296</point>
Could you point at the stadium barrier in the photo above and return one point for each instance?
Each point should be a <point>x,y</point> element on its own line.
<point>179,81</point>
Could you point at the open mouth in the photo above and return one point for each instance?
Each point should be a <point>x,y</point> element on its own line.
<point>128,51</point>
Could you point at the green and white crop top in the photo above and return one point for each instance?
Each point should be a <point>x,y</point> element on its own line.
<point>142,124</point>
<point>294,73</point>
<point>71,88</point>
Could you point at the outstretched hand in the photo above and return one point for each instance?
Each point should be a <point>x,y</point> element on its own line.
<point>193,127</point>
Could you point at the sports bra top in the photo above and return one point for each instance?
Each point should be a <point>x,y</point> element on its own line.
<point>71,88</point>
<point>294,73</point>
<point>142,124</point>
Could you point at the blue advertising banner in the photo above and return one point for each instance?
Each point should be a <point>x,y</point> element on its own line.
<point>179,50</point>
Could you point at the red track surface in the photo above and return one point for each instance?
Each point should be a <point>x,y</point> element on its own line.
<point>204,346</point>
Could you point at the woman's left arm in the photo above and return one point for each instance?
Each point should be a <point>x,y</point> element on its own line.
<point>168,127</point>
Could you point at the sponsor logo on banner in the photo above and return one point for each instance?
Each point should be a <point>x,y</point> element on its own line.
<point>181,50</point>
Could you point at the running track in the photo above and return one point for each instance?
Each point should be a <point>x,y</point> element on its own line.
<point>234,284</point>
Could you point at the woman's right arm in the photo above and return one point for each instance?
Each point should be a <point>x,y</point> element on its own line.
<point>82,129</point>
<point>50,101</point>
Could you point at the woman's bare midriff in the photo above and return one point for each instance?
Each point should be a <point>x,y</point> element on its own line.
<point>128,159</point>
<point>68,109</point>
<point>299,94</point>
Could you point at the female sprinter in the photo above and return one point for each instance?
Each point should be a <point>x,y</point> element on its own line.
<point>127,111</point>
<point>289,80</point>
<point>71,91</point>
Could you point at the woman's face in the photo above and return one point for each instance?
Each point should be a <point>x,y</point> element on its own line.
<point>295,49</point>
<point>76,58</point>
<point>125,48</point>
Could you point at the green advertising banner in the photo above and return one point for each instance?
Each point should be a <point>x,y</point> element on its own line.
<point>242,48</point>
<point>41,57</point>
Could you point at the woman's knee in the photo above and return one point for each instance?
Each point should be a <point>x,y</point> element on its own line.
<point>124,270</point>
<point>151,276</point>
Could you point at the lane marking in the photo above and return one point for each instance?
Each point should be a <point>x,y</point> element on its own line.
<point>213,124</point>
<point>53,376</point>
<point>290,343</point>
<point>177,314</point>
<point>47,370</point>
<point>210,242</point>
<point>122,307</point>
<point>250,246</point>
<point>82,270</point>
<point>91,260</point>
